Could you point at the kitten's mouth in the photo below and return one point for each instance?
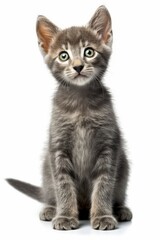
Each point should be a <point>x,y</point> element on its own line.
<point>80,75</point>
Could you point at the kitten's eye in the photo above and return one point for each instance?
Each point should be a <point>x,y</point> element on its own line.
<point>89,52</point>
<point>63,56</point>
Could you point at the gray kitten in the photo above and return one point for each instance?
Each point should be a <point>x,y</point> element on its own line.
<point>85,170</point>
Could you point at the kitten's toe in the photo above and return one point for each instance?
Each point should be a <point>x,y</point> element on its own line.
<point>47,214</point>
<point>65,223</point>
<point>104,223</point>
<point>123,214</point>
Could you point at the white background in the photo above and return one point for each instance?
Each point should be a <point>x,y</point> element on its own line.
<point>26,88</point>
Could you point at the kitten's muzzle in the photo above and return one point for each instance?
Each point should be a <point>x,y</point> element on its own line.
<point>79,68</point>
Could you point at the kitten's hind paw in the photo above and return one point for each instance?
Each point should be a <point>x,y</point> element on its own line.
<point>65,223</point>
<point>123,214</point>
<point>47,214</point>
<point>104,223</point>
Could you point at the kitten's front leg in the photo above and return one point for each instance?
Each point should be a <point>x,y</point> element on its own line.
<point>67,210</point>
<point>101,200</point>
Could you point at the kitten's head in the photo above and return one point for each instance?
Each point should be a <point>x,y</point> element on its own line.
<point>77,55</point>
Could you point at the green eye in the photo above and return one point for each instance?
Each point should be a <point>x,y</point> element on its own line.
<point>89,52</point>
<point>63,56</point>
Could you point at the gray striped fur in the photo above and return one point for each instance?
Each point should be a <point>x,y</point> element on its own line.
<point>85,171</point>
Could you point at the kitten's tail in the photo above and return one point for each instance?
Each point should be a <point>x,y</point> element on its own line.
<point>26,188</point>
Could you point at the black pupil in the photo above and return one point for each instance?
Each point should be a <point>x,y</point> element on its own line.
<point>89,52</point>
<point>64,55</point>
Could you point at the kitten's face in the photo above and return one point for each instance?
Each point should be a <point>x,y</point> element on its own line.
<point>77,55</point>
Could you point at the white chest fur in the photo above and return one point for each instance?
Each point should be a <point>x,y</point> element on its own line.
<point>82,142</point>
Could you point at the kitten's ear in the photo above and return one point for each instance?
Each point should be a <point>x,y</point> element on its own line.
<point>102,25</point>
<point>46,32</point>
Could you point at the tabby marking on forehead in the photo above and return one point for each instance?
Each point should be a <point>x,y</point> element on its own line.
<point>80,43</point>
<point>86,43</point>
<point>83,44</point>
<point>65,47</point>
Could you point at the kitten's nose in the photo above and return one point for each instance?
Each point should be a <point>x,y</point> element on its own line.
<point>78,68</point>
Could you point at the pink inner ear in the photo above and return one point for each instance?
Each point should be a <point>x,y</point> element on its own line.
<point>45,36</point>
<point>106,35</point>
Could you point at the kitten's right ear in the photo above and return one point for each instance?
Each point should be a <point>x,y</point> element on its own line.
<point>101,24</point>
<point>46,32</point>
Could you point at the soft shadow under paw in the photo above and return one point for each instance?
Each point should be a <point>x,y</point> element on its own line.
<point>65,223</point>
<point>104,223</point>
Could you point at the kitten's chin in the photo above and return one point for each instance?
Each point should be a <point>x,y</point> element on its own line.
<point>80,80</point>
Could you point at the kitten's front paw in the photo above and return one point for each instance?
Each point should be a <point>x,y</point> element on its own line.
<point>123,214</point>
<point>47,213</point>
<point>107,222</point>
<point>65,223</point>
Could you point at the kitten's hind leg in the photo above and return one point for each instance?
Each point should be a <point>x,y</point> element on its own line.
<point>122,214</point>
<point>47,213</point>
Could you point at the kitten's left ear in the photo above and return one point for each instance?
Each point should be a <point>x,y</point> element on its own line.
<point>102,25</point>
<point>46,32</point>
